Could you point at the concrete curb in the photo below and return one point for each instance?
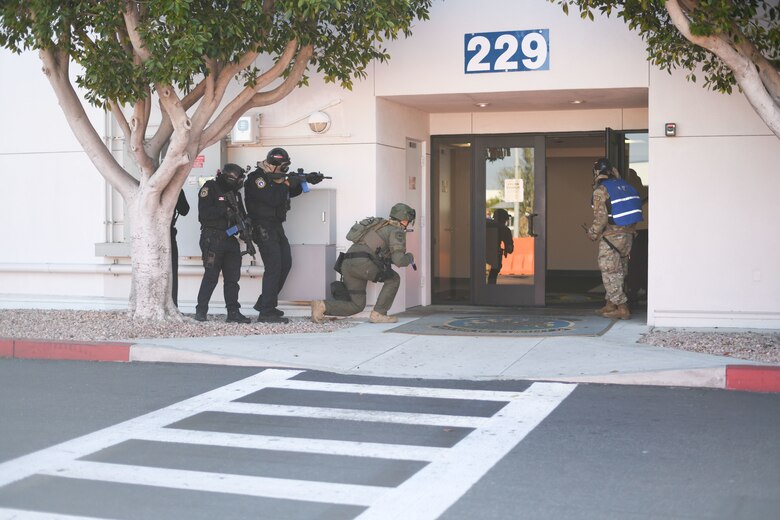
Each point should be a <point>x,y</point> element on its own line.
<point>749,378</point>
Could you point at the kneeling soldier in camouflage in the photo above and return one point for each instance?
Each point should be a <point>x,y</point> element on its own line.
<point>378,244</point>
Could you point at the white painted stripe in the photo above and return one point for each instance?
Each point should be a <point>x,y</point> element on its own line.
<point>296,444</point>
<point>625,198</point>
<point>289,489</point>
<point>407,391</point>
<point>342,414</point>
<point>20,514</point>
<point>58,455</point>
<point>628,212</point>
<point>433,489</point>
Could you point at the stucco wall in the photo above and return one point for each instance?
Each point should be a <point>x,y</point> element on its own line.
<point>714,245</point>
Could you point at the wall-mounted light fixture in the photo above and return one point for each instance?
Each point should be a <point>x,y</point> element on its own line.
<point>319,122</point>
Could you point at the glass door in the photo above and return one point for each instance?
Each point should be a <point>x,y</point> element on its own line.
<point>509,221</point>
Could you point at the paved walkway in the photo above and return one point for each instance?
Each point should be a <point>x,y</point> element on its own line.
<point>369,349</point>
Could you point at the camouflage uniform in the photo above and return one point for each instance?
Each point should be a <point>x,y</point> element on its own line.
<point>357,272</point>
<point>613,264</point>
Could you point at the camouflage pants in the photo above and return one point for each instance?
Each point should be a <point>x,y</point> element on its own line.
<point>614,266</point>
<point>357,272</point>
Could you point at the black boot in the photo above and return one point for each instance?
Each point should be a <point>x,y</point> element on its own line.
<point>271,318</point>
<point>201,315</point>
<point>236,317</point>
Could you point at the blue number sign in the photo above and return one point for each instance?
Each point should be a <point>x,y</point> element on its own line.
<point>511,51</point>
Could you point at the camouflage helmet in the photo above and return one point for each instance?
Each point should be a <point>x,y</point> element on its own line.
<point>402,212</point>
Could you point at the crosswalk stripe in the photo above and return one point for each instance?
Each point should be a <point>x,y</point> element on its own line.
<point>289,489</point>
<point>405,391</point>
<point>297,444</point>
<point>433,489</point>
<point>350,415</point>
<point>26,465</point>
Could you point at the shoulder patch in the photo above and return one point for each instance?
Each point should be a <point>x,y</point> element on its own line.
<point>260,182</point>
<point>204,192</point>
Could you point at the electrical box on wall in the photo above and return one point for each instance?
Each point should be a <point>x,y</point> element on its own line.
<point>670,129</point>
<point>244,131</point>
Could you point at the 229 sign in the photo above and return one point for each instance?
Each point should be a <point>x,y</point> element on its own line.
<point>512,51</point>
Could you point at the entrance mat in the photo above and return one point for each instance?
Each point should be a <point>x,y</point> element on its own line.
<point>524,324</point>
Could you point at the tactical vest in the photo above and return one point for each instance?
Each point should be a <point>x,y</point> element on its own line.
<point>365,232</point>
<point>220,223</point>
<point>624,205</point>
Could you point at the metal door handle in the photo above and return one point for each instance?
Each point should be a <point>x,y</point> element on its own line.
<point>531,224</point>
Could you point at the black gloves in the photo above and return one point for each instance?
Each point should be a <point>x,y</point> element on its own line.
<point>314,177</point>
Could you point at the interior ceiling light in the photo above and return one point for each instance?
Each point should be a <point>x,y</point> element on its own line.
<point>482,105</point>
<point>576,101</point>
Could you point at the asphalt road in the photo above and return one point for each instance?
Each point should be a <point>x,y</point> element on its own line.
<point>192,441</point>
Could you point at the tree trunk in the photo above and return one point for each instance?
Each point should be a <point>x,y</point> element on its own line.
<point>150,295</point>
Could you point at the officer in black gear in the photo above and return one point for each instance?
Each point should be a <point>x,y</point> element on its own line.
<point>221,253</point>
<point>182,208</point>
<point>268,191</point>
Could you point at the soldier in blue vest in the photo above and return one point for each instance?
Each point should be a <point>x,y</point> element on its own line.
<point>617,208</point>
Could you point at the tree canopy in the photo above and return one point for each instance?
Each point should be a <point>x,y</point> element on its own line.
<point>728,42</point>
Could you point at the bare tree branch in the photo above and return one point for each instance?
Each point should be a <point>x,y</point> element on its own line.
<point>120,118</point>
<point>165,130</point>
<point>236,108</point>
<point>131,22</point>
<point>56,68</point>
<point>746,73</point>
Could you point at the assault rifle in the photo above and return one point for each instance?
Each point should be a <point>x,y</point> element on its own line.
<point>311,177</point>
<point>610,244</point>
<point>241,224</point>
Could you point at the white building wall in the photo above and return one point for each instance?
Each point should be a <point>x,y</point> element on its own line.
<point>53,198</point>
<point>599,54</point>
<point>714,245</point>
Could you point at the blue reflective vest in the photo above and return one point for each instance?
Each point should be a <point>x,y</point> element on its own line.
<point>625,205</point>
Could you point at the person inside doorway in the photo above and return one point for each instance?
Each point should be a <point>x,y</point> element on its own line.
<point>498,243</point>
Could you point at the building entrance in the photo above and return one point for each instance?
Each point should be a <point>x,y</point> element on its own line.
<point>488,233</point>
<point>507,216</point>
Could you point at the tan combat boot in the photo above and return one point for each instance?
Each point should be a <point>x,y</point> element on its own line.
<point>378,317</point>
<point>317,311</point>
<point>620,313</point>
<point>609,307</point>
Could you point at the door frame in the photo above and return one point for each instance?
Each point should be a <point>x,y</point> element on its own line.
<point>480,292</point>
<point>516,295</point>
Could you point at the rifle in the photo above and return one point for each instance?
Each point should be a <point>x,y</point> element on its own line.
<point>241,223</point>
<point>304,178</point>
<point>610,244</point>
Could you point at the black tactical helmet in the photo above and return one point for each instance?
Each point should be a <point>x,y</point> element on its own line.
<point>402,212</point>
<point>231,176</point>
<point>501,216</point>
<point>279,157</point>
<point>602,167</point>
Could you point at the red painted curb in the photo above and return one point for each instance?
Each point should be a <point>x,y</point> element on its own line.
<point>753,378</point>
<point>68,350</point>
<point>6,348</point>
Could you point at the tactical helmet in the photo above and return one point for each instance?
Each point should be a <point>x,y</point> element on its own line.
<point>402,212</point>
<point>602,167</point>
<point>231,176</point>
<point>279,157</point>
<point>501,216</point>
